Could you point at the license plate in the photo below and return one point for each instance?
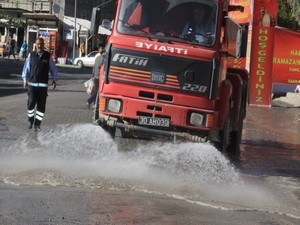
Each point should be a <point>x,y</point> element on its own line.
<point>158,122</point>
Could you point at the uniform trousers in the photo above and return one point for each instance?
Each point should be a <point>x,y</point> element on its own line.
<point>36,104</point>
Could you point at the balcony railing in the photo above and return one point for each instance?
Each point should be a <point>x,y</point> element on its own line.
<point>31,6</point>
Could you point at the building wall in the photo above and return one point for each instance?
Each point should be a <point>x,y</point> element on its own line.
<point>30,9</point>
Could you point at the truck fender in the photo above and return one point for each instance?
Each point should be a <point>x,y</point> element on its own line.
<point>226,92</point>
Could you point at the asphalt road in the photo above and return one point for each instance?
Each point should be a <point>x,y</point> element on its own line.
<point>71,172</point>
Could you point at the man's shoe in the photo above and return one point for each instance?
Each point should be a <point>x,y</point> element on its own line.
<point>36,128</point>
<point>30,126</point>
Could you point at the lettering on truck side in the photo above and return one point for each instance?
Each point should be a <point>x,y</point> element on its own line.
<point>161,48</point>
<point>194,88</point>
<point>130,59</point>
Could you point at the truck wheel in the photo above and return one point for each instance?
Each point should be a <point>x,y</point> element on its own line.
<point>225,133</point>
<point>96,110</point>
<point>236,136</point>
<point>110,130</point>
<point>235,140</point>
<point>125,134</point>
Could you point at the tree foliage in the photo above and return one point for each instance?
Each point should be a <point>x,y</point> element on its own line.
<point>289,14</point>
<point>12,21</point>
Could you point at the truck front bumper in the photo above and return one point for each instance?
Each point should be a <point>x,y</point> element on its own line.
<point>136,128</point>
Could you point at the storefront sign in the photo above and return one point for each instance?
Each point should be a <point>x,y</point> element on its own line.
<point>83,33</point>
<point>286,61</point>
<point>261,61</point>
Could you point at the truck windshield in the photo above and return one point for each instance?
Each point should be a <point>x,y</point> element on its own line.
<point>171,20</point>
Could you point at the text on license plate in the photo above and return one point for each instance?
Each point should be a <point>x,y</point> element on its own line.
<point>159,122</point>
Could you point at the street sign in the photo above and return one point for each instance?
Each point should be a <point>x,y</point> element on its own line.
<point>56,8</point>
<point>83,33</point>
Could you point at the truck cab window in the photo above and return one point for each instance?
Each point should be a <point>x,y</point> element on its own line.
<point>198,28</point>
<point>170,19</point>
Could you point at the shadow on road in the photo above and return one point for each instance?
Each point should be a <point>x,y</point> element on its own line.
<point>11,76</point>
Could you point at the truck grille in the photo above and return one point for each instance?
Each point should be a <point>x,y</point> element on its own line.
<point>151,95</point>
<point>162,72</point>
<point>140,77</point>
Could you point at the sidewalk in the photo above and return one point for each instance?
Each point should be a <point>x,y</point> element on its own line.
<point>290,100</point>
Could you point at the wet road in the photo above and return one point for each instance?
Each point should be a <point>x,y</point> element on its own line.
<point>271,143</point>
<point>73,173</point>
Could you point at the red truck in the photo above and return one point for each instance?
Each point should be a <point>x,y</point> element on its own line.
<point>166,76</point>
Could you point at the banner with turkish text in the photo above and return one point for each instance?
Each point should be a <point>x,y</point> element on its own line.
<point>261,66</point>
<point>261,61</point>
<point>286,60</point>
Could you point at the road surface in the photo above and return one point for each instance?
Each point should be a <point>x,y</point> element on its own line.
<point>72,172</point>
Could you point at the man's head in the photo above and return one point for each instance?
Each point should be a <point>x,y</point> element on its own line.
<point>101,49</point>
<point>198,15</point>
<point>39,44</point>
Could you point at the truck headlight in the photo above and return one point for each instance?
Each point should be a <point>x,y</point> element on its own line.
<point>196,119</point>
<point>114,106</point>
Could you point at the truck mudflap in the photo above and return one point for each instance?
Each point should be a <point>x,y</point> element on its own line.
<point>174,135</point>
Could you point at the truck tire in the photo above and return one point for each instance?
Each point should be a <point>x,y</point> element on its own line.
<point>96,110</point>
<point>235,139</point>
<point>236,135</point>
<point>110,130</point>
<point>225,132</point>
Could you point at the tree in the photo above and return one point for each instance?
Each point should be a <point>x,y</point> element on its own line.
<point>12,21</point>
<point>289,14</point>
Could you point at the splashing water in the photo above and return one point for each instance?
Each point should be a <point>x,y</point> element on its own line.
<point>87,149</point>
<point>84,155</point>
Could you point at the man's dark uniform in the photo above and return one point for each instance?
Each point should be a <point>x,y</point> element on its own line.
<point>37,88</point>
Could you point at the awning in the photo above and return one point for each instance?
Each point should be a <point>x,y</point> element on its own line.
<point>40,16</point>
<point>41,19</point>
<point>82,24</point>
<point>103,31</point>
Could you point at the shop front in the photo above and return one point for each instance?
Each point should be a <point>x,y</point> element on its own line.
<point>46,26</point>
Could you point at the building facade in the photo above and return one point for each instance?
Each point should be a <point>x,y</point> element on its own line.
<point>63,24</point>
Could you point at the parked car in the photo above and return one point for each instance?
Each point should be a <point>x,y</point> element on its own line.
<point>87,60</point>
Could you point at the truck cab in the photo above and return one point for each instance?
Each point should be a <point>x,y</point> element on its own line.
<point>165,73</point>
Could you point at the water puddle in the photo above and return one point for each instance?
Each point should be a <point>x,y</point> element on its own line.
<point>85,156</point>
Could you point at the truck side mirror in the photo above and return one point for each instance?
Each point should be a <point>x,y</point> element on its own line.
<point>236,39</point>
<point>241,43</point>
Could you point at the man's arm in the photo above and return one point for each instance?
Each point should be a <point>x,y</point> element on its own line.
<point>26,72</point>
<point>97,66</point>
<point>53,71</point>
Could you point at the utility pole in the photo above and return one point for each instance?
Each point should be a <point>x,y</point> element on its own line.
<point>74,33</point>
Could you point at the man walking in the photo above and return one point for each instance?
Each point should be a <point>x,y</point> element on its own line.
<point>11,48</point>
<point>36,76</point>
<point>95,74</point>
<point>24,50</point>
